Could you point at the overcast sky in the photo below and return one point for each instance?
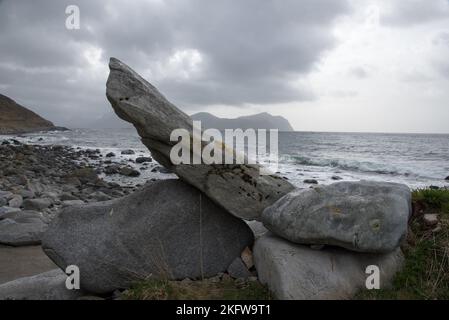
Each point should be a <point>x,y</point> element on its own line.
<point>325,65</point>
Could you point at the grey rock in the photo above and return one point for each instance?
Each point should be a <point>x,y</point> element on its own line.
<point>69,203</point>
<point>110,155</point>
<point>156,231</point>
<point>240,189</point>
<point>129,172</point>
<point>430,220</point>
<point>100,196</point>
<point>258,228</point>
<point>26,194</point>
<point>238,269</point>
<point>45,286</point>
<point>143,159</point>
<point>311,181</point>
<point>22,232</point>
<point>16,201</point>
<point>128,152</point>
<point>5,210</point>
<point>68,196</point>
<point>296,272</point>
<point>447,178</point>
<point>37,204</point>
<point>361,216</point>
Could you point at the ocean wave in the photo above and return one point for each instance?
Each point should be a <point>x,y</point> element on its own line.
<point>346,164</point>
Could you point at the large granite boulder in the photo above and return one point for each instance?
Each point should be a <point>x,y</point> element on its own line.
<point>45,286</point>
<point>361,216</point>
<point>297,272</point>
<point>240,189</point>
<point>167,229</point>
<point>22,228</point>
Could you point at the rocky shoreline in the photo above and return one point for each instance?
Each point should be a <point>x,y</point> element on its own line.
<point>209,221</point>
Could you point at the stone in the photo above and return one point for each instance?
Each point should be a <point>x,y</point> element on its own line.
<point>143,159</point>
<point>100,196</point>
<point>112,169</point>
<point>311,181</point>
<point>16,201</point>
<point>161,170</point>
<point>21,232</point>
<point>361,216</point>
<point>296,272</point>
<point>238,269</point>
<point>447,178</point>
<point>110,155</point>
<point>26,194</point>
<point>5,210</point>
<point>336,178</point>
<point>129,172</point>
<point>431,220</point>
<point>85,175</point>
<point>128,152</point>
<point>247,258</point>
<point>45,286</point>
<point>69,203</point>
<point>240,189</point>
<point>68,196</point>
<point>167,229</point>
<point>257,228</point>
<point>37,204</point>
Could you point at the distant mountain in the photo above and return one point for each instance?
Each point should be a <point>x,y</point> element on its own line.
<point>257,121</point>
<point>15,118</point>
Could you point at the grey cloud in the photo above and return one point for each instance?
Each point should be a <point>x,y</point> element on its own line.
<point>252,51</point>
<point>359,72</point>
<point>405,13</point>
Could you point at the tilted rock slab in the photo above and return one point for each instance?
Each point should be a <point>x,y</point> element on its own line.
<point>240,189</point>
<point>361,216</point>
<point>297,272</point>
<point>167,230</point>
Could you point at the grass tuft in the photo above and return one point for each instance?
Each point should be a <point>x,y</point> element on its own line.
<point>226,289</point>
<point>426,270</point>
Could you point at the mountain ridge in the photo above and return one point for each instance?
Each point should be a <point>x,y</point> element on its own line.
<point>15,118</point>
<point>262,120</point>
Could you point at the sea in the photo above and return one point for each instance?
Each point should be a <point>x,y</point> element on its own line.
<point>418,160</point>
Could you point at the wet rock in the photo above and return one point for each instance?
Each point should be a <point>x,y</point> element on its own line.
<point>129,172</point>
<point>311,181</point>
<point>128,152</point>
<point>110,155</point>
<point>143,159</point>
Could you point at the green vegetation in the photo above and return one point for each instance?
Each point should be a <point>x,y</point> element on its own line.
<point>426,270</point>
<point>213,289</point>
